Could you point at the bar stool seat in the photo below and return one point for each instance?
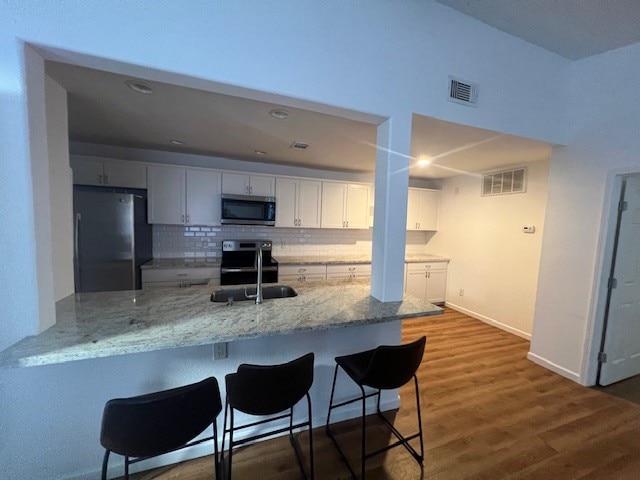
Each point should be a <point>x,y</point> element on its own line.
<point>386,367</point>
<point>153,424</point>
<point>267,390</point>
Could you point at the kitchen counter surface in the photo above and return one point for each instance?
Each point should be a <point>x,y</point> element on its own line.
<point>164,263</point>
<point>351,259</point>
<point>93,325</point>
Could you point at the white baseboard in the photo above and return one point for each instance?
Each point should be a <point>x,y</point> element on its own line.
<point>554,367</point>
<point>490,321</point>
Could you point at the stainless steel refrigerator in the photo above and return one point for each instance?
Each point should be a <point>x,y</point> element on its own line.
<point>112,238</point>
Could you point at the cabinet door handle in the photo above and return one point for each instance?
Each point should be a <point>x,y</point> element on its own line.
<point>188,218</point>
<point>106,179</point>
<point>100,179</point>
<point>182,274</point>
<point>182,218</point>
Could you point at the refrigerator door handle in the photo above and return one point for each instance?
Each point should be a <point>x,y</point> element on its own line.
<point>76,253</point>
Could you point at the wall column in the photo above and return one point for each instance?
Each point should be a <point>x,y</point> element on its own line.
<point>390,212</point>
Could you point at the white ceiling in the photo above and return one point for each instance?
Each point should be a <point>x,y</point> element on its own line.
<point>572,28</point>
<point>102,109</point>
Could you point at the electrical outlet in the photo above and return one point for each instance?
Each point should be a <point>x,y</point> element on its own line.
<point>461,292</point>
<point>220,351</point>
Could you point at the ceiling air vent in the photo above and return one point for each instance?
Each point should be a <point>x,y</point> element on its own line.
<point>503,183</point>
<point>463,92</point>
<point>300,145</point>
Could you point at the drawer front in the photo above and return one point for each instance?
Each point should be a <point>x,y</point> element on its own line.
<point>291,270</point>
<point>358,269</point>
<point>179,274</point>
<point>423,267</point>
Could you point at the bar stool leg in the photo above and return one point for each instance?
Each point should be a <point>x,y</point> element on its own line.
<point>415,381</point>
<point>364,425</point>
<point>105,462</point>
<point>312,476</point>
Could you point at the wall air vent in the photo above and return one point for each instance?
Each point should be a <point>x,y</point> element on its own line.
<point>300,145</point>
<point>463,92</point>
<point>506,182</point>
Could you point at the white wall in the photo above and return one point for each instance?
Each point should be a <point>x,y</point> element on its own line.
<point>60,189</point>
<point>605,114</point>
<point>492,260</point>
<point>387,58</point>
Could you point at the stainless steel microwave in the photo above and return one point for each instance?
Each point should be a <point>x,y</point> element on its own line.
<point>248,210</point>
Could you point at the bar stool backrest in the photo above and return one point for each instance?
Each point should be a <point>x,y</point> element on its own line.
<point>269,389</point>
<point>156,423</point>
<point>392,366</point>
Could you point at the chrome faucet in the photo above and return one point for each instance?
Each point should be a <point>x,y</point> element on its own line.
<point>258,295</point>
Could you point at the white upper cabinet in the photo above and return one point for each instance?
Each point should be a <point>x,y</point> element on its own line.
<point>345,205</point>
<point>105,172</point>
<point>422,209</point>
<point>183,196</point>
<point>298,203</point>
<point>244,184</point>
<point>203,197</point>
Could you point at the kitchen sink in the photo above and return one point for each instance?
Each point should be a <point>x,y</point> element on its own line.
<point>229,295</point>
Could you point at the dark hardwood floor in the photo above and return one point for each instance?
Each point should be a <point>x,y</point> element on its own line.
<point>488,413</point>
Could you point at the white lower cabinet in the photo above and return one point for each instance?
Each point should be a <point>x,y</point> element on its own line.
<point>301,273</point>
<point>179,277</point>
<point>427,280</point>
<point>349,271</point>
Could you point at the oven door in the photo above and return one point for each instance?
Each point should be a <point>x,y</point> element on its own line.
<point>247,275</point>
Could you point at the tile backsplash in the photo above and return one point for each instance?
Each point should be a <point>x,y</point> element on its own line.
<point>177,241</point>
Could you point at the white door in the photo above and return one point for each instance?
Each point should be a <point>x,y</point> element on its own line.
<point>286,189</point>
<point>235,183</point>
<point>622,335</point>
<point>203,197</point>
<point>333,199</point>
<point>357,207</point>
<point>166,195</point>
<point>264,186</point>
<point>309,195</point>
<point>427,210</point>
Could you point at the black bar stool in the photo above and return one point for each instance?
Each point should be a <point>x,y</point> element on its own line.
<point>383,368</point>
<point>269,390</point>
<point>156,423</point>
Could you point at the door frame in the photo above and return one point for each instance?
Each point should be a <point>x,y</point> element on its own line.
<point>605,252</point>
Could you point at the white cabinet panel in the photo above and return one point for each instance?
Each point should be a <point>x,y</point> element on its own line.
<point>345,205</point>
<point>333,202</point>
<point>427,280</point>
<point>422,209</point>
<point>203,197</point>
<point>183,196</point>
<point>99,171</point>
<point>166,196</point>
<point>357,206</point>
<point>349,271</point>
<point>301,273</point>
<point>244,184</point>
<point>286,202</point>
<point>179,277</point>
<point>298,203</point>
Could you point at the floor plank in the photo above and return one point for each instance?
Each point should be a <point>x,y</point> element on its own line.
<point>488,413</point>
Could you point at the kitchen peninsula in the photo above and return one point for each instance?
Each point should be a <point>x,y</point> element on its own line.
<point>94,325</point>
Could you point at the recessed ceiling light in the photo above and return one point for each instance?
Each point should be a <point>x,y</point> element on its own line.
<point>177,142</point>
<point>423,162</point>
<point>259,152</point>
<point>279,113</point>
<point>139,86</point>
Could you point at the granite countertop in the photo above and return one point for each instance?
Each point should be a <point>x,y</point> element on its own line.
<point>93,325</point>
<point>353,259</point>
<point>160,263</point>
